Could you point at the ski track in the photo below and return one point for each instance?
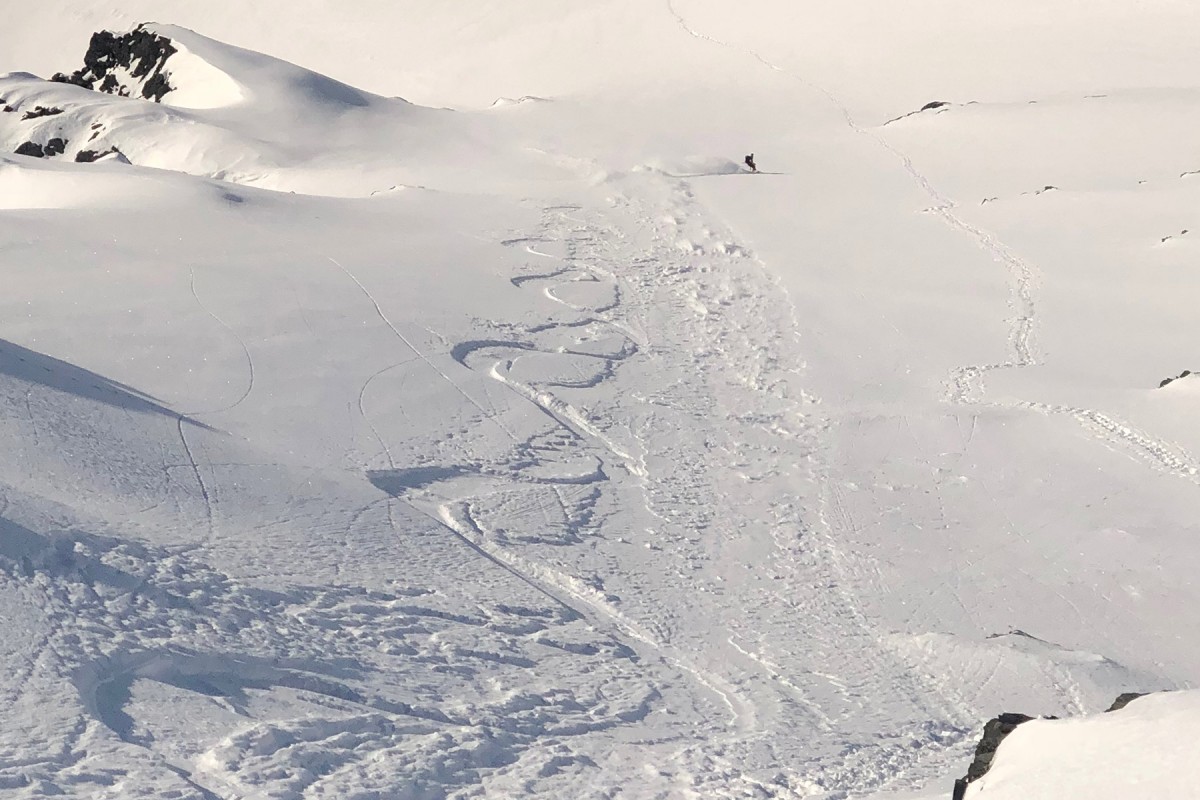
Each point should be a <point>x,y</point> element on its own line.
<point>965,385</point>
<point>717,331</point>
<point>98,650</point>
<point>675,299</point>
<point>241,343</point>
<point>487,415</point>
<point>194,466</point>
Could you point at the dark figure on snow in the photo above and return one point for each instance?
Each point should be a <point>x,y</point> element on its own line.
<point>750,163</point>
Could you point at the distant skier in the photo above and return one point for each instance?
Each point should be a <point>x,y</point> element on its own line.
<point>750,163</point>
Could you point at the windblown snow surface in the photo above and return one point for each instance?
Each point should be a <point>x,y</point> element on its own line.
<point>510,440</point>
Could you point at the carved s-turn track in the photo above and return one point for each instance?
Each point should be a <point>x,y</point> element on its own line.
<point>456,512</point>
<point>487,415</point>
<point>742,711</point>
<point>965,384</point>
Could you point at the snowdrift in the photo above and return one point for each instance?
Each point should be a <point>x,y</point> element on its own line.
<point>1146,749</point>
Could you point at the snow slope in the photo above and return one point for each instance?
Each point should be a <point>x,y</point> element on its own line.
<point>1145,750</point>
<point>454,446</point>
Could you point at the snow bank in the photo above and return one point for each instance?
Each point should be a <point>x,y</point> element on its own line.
<point>199,84</point>
<point>1145,750</point>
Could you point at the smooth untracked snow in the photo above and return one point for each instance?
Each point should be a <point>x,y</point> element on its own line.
<point>354,446</point>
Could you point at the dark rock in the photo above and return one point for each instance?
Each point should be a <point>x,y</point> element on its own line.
<point>993,734</point>
<point>9,109</point>
<point>41,111</point>
<point>56,147</point>
<point>934,104</point>
<point>1166,381</point>
<point>1124,700</point>
<point>88,156</point>
<point>74,78</point>
<point>30,149</point>
<point>156,88</point>
<point>141,52</point>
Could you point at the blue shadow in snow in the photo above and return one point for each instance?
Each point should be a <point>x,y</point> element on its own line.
<point>33,367</point>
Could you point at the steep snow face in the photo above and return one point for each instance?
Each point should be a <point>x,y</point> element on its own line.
<point>199,83</point>
<point>536,448</point>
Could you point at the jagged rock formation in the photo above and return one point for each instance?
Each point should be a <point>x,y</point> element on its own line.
<point>54,147</point>
<point>998,729</point>
<point>993,734</point>
<point>41,111</point>
<point>88,156</point>
<point>30,149</point>
<point>129,64</point>
<point>1166,381</point>
<point>1124,700</point>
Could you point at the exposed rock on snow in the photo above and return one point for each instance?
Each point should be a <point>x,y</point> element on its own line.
<point>41,111</point>
<point>55,146</point>
<point>933,105</point>
<point>30,149</point>
<point>129,64</point>
<point>985,752</point>
<point>1167,381</point>
<point>88,156</point>
<point>998,729</point>
<point>1125,699</point>
<point>1146,749</point>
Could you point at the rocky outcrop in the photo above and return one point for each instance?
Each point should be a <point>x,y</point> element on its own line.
<point>129,65</point>
<point>30,149</point>
<point>54,147</point>
<point>1166,381</point>
<point>1124,700</point>
<point>993,734</point>
<point>88,156</point>
<point>41,111</point>
<point>998,729</point>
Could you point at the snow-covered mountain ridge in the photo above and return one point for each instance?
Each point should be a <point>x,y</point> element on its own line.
<point>357,447</point>
<point>274,125</point>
